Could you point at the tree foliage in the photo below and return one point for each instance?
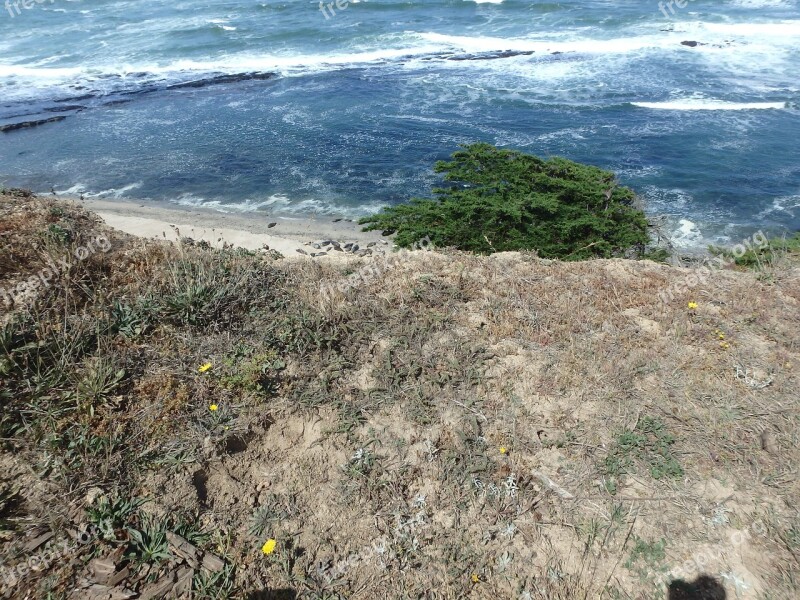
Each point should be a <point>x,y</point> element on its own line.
<point>498,200</point>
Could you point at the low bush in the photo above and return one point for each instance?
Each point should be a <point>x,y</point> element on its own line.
<point>499,200</point>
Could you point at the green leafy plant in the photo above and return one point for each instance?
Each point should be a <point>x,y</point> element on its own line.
<point>58,234</point>
<point>255,374</point>
<point>499,200</point>
<point>218,585</point>
<point>131,320</point>
<point>108,514</point>
<point>759,257</point>
<point>98,383</point>
<point>149,541</point>
<point>647,558</point>
<point>210,287</point>
<point>648,442</point>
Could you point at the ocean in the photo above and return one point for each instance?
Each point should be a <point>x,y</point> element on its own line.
<point>295,107</point>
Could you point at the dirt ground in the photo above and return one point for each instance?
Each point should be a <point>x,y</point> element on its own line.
<point>181,421</point>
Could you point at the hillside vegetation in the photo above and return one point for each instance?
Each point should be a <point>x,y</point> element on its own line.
<point>496,200</point>
<point>179,418</point>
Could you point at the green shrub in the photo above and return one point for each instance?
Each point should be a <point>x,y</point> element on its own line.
<point>500,200</point>
<point>761,256</point>
<point>650,443</point>
<point>211,287</point>
<point>256,374</point>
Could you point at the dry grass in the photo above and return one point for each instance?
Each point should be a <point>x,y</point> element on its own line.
<point>454,427</point>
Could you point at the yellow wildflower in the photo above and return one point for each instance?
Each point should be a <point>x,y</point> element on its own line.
<point>724,345</point>
<point>269,546</point>
<point>721,336</point>
<point>204,368</point>
<point>475,578</point>
<point>503,450</point>
<point>692,305</point>
<point>213,408</point>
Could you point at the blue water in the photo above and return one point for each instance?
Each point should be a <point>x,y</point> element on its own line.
<point>292,112</point>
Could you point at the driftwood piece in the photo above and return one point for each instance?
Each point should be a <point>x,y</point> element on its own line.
<point>184,549</point>
<point>38,541</point>
<point>159,589</point>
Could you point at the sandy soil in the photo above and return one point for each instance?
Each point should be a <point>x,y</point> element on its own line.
<point>246,230</point>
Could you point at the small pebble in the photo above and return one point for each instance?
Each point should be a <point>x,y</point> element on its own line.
<point>371,244</point>
<point>317,246</point>
<point>271,225</point>
<point>301,251</point>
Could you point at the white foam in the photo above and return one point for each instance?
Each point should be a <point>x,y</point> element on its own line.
<point>557,42</point>
<point>736,48</point>
<point>114,192</point>
<point>687,235</point>
<point>76,189</point>
<point>280,203</point>
<point>760,3</point>
<point>708,104</point>
<point>789,29</point>
<point>785,204</point>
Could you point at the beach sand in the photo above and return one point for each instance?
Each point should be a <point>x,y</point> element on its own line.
<point>246,230</point>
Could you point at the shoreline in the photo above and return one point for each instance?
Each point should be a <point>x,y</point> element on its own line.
<point>291,236</point>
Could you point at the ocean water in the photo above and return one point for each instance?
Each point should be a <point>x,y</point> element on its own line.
<point>283,107</point>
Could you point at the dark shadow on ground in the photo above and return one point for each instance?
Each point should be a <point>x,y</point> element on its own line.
<point>702,588</point>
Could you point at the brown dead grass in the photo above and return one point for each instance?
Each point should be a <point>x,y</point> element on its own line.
<point>373,448</point>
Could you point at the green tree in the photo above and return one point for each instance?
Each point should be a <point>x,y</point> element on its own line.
<point>500,200</point>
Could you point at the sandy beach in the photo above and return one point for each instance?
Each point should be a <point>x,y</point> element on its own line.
<point>287,235</point>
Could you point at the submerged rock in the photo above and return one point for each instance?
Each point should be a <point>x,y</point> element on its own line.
<point>26,124</point>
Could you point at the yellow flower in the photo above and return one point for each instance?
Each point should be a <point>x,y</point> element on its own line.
<point>204,368</point>
<point>269,546</point>
<point>503,449</point>
<point>692,305</point>
<point>724,345</point>
<point>213,408</point>
<point>721,336</point>
<point>475,578</point>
